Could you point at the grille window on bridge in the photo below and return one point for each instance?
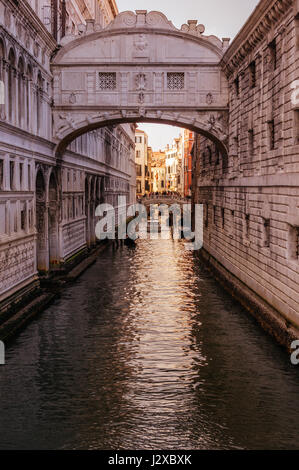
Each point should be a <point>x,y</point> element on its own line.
<point>175,80</point>
<point>107,81</point>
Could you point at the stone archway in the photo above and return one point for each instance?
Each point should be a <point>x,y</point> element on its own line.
<point>140,69</point>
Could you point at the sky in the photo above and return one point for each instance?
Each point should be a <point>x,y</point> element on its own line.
<point>221,18</point>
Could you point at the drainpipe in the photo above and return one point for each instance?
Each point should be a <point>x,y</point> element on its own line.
<point>54,8</point>
<point>63,18</point>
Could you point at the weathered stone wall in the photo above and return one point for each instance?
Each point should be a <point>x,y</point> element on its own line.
<point>251,198</point>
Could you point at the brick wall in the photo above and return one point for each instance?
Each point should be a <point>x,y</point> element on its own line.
<point>251,196</point>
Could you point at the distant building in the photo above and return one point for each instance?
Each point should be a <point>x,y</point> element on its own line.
<point>141,161</point>
<point>158,172</point>
<point>187,144</point>
<point>173,165</point>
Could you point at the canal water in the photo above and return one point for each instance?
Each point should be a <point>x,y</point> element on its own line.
<point>146,351</point>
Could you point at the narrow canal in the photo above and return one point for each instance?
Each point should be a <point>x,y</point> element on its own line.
<point>146,351</point>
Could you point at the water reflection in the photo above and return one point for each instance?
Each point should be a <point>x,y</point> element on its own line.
<point>146,351</point>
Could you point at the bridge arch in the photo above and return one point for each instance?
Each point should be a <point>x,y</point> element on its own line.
<point>140,68</point>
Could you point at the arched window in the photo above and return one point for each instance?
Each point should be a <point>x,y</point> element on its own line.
<point>39,100</point>
<point>21,102</point>
<point>28,94</point>
<point>11,84</point>
<point>2,86</point>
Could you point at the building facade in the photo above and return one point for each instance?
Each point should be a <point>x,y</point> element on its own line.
<point>47,204</point>
<point>173,164</point>
<point>158,172</point>
<point>187,144</point>
<point>251,198</point>
<point>142,154</point>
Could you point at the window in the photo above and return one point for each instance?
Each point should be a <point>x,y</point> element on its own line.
<point>175,80</point>
<point>12,175</point>
<point>1,173</point>
<point>273,54</point>
<point>210,155</point>
<point>271,133</point>
<point>247,226</point>
<point>23,218</point>
<point>223,217</point>
<point>293,243</point>
<point>266,224</point>
<point>138,170</point>
<point>138,153</point>
<point>251,142</point>
<point>21,175</point>
<point>237,86</point>
<point>107,80</point>
<point>236,145</point>
<point>252,74</point>
<point>29,177</point>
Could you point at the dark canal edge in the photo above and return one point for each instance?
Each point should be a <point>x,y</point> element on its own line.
<point>271,321</point>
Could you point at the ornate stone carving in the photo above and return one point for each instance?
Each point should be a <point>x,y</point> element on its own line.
<point>36,49</point>
<point>63,120</point>
<point>140,81</point>
<point>141,97</point>
<point>141,47</point>
<point>126,18</point>
<point>27,41</point>
<point>142,112</point>
<point>7,17</point>
<point>141,18</point>
<point>72,98</point>
<point>209,98</point>
<point>156,18</point>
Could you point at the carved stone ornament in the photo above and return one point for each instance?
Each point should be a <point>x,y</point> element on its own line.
<point>140,82</point>
<point>141,47</point>
<point>36,49</point>
<point>209,98</point>
<point>7,17</point>
<point>27,41</point>
<point>141,97</point>
<point>64,120</point>
<point>72,98</point>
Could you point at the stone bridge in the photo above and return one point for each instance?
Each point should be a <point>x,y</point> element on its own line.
<point>160,199</point>
<point>140,68</point>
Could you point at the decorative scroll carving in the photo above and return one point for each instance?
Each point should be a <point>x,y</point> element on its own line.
<point>151,19</point>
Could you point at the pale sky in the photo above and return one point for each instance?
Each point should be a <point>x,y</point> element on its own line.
<point>221,18</point>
